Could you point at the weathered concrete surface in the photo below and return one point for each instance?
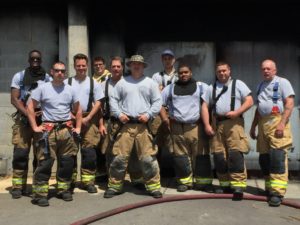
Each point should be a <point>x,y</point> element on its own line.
<point>21,211</point>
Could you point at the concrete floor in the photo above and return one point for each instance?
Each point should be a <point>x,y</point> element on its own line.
<point>225,211</point>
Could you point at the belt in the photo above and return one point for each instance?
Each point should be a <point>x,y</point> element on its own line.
<point>184,123</point>
<point>113,119</point>
<point>222,118</point>
<point>133,120</point>
<point>58,124</point>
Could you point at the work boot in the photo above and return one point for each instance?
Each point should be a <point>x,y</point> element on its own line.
<point>238,193</point>
<point>16,193</point>
<point>72,187</point>
<point>275,200</point>
<point>223,190</point>
<point>182,188</point>
<point>66,196</point>
<point>156,194</point>
<point>90,188</point>
<point>43,202</point>
<point>109,193</point>
<point>209,188</point>
<point>139,186</point>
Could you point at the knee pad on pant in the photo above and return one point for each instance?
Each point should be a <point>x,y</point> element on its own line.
<point>220,163</point>
<point>203,166</point>
<point>236,163</point>
<point>65,167</point>
<point>88,158</point>
<point>118,167</point>
<point>43,170</point>
<point>182,166</point>
<point>20,159</point>
<point>149,167</point>
<point>277,161</point>
<point>264,163</point>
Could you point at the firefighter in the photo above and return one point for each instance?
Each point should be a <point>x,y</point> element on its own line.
<point>55,132</point>
<point>109,127</point>
<point>275,102</point>
<point>21,86</point>
<point>162,135</point>
<point>101,74</point>
<point>136,100</point>
<point>90,96</point>
<point>227,99</point>
<point>183,99</point>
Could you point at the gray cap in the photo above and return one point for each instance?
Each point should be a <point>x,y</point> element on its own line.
<point>168,52</point>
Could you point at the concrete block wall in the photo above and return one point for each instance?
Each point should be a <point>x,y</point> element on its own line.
<point>6,148</point>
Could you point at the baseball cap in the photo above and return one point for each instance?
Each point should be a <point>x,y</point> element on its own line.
<point>168,52</point>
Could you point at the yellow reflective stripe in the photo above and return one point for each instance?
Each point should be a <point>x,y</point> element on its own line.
<point>74,176</point>
<point>186,180</point>
<point>18,181</point>
<point>238,183</point>
<point>267,183</point>
<point>40,188</point>
<point>201,180</point>
<point>87,178</point>
<point>224,183</point>
<point>116,187</point>
<point>62,185</point>
<point>153,187</point>
<point>278,183</point>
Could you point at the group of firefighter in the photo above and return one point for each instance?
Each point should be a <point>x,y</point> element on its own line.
<point>118,114</point>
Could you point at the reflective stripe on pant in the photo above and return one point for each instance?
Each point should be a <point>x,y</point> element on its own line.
<point>63,147</point>
<point>88,165</point>
<point>19,182</point>
<point>185,147</point>
<point>279,179</point>
<point>19,179</point>
<point>40,190</point>
<point>186,180</point>
<point>228,146</point>
<point>22,139</point>
<point>129,135</point>
<point>63,186</point>
<point>268,145</point>
<point>87,179</point>
<point>90,141</point>
<point>203,170</point>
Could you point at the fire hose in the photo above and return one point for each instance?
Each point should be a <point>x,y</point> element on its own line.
<point>128,207</point>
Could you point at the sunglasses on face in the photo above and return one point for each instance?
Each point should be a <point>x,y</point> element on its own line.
<point>35,59</point>
<point>59,70</point>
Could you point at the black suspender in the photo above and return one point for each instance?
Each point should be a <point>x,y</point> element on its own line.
<point>225,88</point>
<point>107,108</point>
<point>232,103</point>
<point>162,79</point>
<point>91,95</point>
<point>216,99</point>
<point>70,81</point>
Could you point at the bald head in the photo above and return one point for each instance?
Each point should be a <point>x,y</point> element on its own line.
<point>269,70</point>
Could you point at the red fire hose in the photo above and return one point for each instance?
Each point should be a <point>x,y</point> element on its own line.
<point>125,208</point>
